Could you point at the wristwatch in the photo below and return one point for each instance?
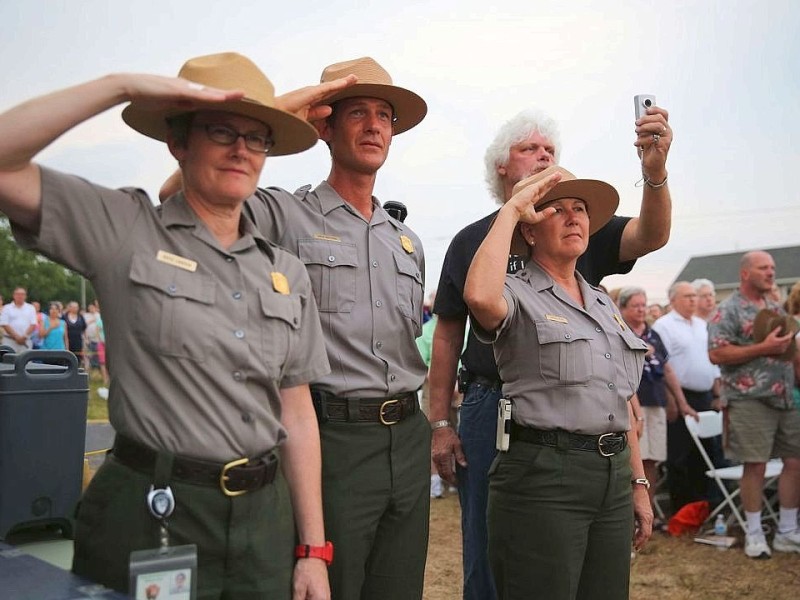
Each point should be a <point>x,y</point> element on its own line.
<point>641,481</point>
<point>440,424</point>
<point>324,552</point>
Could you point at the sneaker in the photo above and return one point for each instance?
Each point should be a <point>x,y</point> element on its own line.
<point>755,546</point>
<point>787,542</point>
<point>436,487</point>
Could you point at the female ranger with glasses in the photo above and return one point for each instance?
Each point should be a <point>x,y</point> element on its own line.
<point>212,330</point>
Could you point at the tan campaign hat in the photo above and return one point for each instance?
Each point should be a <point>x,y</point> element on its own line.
<point>375,82</point>
<point>767,320</point>
<point>600,197</point>
<point>229,71</point>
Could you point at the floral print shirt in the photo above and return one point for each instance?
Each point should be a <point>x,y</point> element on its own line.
<point>766,377</point>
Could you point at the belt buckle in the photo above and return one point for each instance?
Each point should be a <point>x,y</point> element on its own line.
<point>223,477</point>
<point>600,445</point>
<point>386,404</point>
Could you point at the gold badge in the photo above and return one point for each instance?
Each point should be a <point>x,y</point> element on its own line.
<point>279,283</point>
<point>407,244</point>
<point>176,261</point>
<point>556,318</point>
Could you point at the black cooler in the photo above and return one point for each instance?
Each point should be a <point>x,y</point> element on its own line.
<point>43,400</point>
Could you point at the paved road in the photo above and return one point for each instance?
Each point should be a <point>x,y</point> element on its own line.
<point>99,436</point>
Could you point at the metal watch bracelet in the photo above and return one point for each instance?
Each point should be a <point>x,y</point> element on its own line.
<point>440,424</point>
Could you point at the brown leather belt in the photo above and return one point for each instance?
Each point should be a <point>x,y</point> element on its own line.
<point>386,411</point>
<point>606,444</point>
<point>234,478</point>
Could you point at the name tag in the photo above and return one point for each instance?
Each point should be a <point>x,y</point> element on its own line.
<point>556,318</point>
<point>176,261</point>
<point>327,238</point>
<point>619,320</point>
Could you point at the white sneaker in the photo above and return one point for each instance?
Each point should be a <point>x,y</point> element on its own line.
<point>755,546</point>
<point>787,542</point>
<point>436,486</point>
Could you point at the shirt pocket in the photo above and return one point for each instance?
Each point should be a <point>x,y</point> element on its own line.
<point>565,355</point>
<point>633,351</point>
<point>173,309</point>
<point>410,289</point>
<point>331,268</point>
<point>281,316</point>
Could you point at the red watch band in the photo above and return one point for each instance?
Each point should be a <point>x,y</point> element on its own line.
<point>324,552</point>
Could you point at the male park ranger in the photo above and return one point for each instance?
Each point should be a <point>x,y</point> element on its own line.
<point>366,271</point>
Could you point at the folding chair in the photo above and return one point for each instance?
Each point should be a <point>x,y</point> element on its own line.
<point>708,426</point>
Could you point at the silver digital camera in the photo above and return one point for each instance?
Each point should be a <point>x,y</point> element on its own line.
<point>642,102</point>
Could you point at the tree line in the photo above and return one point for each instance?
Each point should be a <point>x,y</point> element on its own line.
<point>44,279</point>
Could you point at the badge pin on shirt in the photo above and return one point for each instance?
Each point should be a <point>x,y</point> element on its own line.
<point>407,244</point>
<point>279,283</point>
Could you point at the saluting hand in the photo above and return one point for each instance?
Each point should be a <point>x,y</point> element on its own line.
<point>307,102</point>
<point>156,91</point>
<point>523,203</point>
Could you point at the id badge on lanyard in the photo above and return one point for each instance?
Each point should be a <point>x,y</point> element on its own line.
<point>167,572</point>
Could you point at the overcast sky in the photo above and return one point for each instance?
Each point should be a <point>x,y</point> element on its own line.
<point>728,73</point>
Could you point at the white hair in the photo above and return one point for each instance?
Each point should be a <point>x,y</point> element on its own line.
<point>699,284</point>
<point>627,293</point>
<point>517,129</point>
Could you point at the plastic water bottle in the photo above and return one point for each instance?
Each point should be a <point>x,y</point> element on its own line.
<point>720,526</point>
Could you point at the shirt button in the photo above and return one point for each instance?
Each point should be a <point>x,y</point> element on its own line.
<point>375,263</point>
<point>608,355</point>
<point>172,288</point>
<point>568,336</point>
<point>247,418</point>
<point>295,320</point>
<point>378,303</point>
<point>237,295</point>
<point>331,258</point>
<point>610,417</point>
<point>379,344</point>
<point>239,334</point>
<point>392,377</point>
<point>237,376</point>
<point>611,386</point>
<point>229,259</point>
<point>598,329</point>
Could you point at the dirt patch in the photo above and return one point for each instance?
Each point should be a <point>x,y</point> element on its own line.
<point>667,569</point>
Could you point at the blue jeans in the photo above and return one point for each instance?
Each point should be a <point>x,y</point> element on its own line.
<point>476,428</point>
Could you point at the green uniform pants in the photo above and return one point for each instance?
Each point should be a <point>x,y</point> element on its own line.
<point>244,544</point>
<point>376,497</point>
<point>560,523</point>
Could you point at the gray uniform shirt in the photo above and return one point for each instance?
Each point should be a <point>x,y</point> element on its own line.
<point>564,366</point>
<point>367,278</point>
<point>200,339</point>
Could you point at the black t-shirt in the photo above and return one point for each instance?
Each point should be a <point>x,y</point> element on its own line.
<point>75,333</point>
<point>600,259</point>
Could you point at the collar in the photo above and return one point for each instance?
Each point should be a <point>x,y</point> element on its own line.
<point>330,200</point>
<point>176,212</point>
<point>541,281</point>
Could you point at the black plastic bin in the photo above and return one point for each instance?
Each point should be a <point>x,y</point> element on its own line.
<point>43,399</point>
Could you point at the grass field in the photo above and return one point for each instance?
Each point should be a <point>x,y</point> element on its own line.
<point>98,408</point>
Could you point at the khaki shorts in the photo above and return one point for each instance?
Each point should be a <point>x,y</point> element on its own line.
<point>653,443</point>
<point>757,432</point>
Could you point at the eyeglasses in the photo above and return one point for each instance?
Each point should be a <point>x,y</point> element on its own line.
<point>227,136</point>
